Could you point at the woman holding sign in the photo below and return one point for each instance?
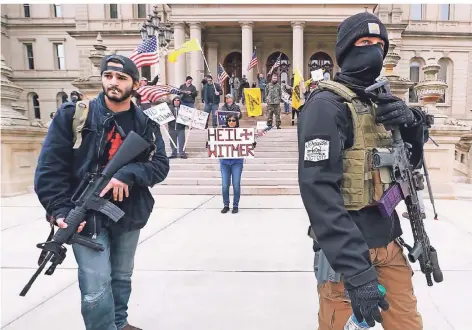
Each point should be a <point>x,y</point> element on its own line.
<point>231,170</point>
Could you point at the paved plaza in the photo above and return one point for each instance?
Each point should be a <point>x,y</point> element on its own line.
<point>197,269</point>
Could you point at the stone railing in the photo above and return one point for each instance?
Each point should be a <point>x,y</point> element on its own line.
<point>463,159</point>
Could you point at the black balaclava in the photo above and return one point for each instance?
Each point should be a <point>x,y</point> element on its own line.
<point>363,63</point>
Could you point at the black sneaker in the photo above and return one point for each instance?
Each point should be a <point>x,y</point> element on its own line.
<point>172,156</point>
<point>235,210</point>
<point>183,156</point>
<point>225,209</point>
<point>278,127</point>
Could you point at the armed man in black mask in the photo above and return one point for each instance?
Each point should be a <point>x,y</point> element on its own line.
<point>337,131</point>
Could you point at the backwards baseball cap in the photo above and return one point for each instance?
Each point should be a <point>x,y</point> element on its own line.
<point>355,27</point>
<point>129,67</point>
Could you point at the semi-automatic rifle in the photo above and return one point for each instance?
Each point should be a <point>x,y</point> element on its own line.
<point>89,199</point>
<point>406,184</point>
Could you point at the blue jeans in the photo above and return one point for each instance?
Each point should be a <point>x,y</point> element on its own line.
<point>231,173</point>
<point>178,136</point>
<point>212,108</point>
<point>189,104</point>
<point>286,107</point>
<point>105,279</point>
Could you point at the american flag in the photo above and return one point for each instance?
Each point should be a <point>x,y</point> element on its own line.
<point>222,75</point>
<point>146,53</point>
<point>276,64</point>
<point>154,93</point>
<point>253,62</point>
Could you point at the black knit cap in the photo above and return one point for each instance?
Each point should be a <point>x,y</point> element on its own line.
<point>129,67</point>
<point>355,27</point>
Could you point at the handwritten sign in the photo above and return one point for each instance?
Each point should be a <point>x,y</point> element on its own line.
<point>160,113</point>
<point>185,115</point>
<point>200,119</point>
<point>317,75</point>
<point>231,142</point>
<point>222,115</point>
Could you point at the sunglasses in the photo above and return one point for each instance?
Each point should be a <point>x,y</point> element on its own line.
<point>232,120</point>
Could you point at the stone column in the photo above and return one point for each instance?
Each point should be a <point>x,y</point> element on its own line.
<point>212,55</point>
<point>20,143</point>
<point>197,70</point>
<point>247,49</point>
<point>180,65</point>
<point>297,53</point>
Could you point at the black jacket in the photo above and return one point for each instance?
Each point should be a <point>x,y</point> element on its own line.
<point>233,107</point>
<point>61,168</point>
<point>188,97</point>
<point>345,237</point>
<point>208,93</point>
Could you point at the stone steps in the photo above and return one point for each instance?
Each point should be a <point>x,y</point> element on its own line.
<point>214,172</point>
<point>273,171</point>
<point>216,190</point>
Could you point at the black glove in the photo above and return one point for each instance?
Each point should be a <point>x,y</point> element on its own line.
<point>392,111</point>
<point>365,302</point>
<point>254,145</point>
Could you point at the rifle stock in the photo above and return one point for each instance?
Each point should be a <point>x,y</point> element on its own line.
<point>132,146</point>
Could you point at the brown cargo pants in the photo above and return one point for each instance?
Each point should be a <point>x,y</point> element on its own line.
<point>395,275</point>
<point>271,109</point>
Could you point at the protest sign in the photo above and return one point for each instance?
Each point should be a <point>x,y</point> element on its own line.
<point>160,113</point>
<point>222,115</point>
<point>317,75</point>
<point>200,119</point>
<point>231,142</point>
<point>185,115</point>
<point>261,125</point>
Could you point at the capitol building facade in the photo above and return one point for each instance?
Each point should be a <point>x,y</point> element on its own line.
<point>48,46</point>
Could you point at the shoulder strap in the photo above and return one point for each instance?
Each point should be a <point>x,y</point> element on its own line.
<point>80,117</point>
<point>338,89</point>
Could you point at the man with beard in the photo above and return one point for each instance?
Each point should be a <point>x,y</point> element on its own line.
<point>337,131</point>
<point>104,277</point>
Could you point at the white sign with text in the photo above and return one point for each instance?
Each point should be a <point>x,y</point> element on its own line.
<point>231,142</point>
<point>160,113</point>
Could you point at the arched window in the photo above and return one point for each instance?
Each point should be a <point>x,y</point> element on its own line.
<point>33,106</point>
<point>321,60</point>
<point>415,71</point>
<point>445,74</point>
<point>61,97</point>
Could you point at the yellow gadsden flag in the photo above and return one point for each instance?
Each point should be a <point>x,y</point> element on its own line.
<point>296,93</point>
<point>253,101</point>
<point>189,46</point>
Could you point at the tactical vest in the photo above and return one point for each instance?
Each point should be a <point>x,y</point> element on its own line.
<point>361,184</point>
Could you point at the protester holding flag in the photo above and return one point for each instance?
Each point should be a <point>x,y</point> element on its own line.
<point>211,97</point>
<point>176,131</point>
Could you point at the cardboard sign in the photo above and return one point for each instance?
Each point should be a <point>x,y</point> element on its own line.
<point>222,115</point>
<point>261,125</point>
<point>160,113</point>
<point>185,115</point>
<point>200,119</point>
<point>317,75</point>
<point>231,142</point>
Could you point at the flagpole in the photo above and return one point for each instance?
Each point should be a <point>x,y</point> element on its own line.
<point>204,58</point>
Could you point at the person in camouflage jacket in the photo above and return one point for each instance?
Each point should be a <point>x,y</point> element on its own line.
<point>273,95</point>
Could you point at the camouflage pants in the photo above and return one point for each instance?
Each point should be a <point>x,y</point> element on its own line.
<point>271,109</point>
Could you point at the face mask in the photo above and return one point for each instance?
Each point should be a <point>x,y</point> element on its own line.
<point>363,63</point>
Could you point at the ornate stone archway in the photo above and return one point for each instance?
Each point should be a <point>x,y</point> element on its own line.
<point>232,64</point>
<point>321,60</point>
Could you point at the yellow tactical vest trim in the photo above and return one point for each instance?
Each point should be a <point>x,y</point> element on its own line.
<point>78,122</point>
<point>361,185</point>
